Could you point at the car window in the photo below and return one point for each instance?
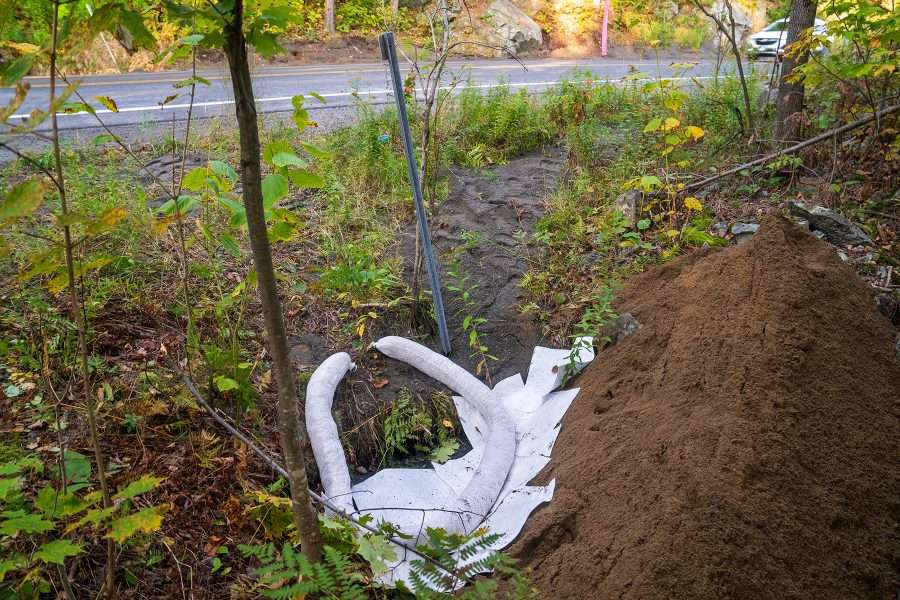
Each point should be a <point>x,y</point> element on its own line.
<point>777,26</point>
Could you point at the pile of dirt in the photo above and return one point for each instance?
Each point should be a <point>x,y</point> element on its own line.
<point>744,443</point>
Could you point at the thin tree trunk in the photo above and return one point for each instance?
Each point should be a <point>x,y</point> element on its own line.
<point>395,10</point>
<point>305,516</point>
<point>329,16</point>
<point>76,307</point>
<point>729,31</point>
<point>790,94</point>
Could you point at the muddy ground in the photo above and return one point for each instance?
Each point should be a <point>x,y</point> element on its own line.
<point>485,225</point>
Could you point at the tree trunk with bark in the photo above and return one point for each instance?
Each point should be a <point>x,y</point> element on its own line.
<point>305,516</point>
<point>790,94</point>
<point>329,16</point>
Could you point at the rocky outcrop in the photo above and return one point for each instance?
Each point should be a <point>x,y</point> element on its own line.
<point>510,29</point>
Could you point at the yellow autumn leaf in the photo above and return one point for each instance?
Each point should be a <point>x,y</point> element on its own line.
<point>693,132</point>
<point>886,68</point>
<point>146,520</point>
<point>670,124</point>
<point>692,203</point>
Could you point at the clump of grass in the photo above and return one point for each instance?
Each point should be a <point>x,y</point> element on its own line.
<point>489,128</point>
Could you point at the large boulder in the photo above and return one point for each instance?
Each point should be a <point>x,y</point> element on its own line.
<point>511,29</point>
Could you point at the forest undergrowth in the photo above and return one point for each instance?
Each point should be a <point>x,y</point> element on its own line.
<point>167,288</point>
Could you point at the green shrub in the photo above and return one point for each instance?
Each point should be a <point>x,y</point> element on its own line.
<point>491,127</point>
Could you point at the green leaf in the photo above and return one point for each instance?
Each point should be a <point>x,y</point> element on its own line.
<point>319,97</point>
<point>12,391</point>
<point>649,182</point>
<point>195,179</point>
<point>273,148</point>
<point>287,159</point>
<point>56,504</point>
<point>14,70</point>
<point>191,40</point>
<point>28,523</point>
<point>282,231</point>
<point>305,179</point>
<point>195,80</point>
<point>653,125</point>
<point>225,384</point>
<point>9,485</point>
<point>69,219</point>
<point>57,551</point>
<point>138,487</point>
<point>223,170</point>
<point>314,150</point>
<point>11,564</point>
<point>643,224</point>
<point>103,138</point>
<point>78,467</point>
<point>445,451</point>
<point>230,244</point>
<point>146,520</point>
<point>265,42</point>
<point>22,200</point>
<point>134,23</point>
<point>378,552</point>
<point>28,463</point>
<point>92,517</point>
<point>274,188</point>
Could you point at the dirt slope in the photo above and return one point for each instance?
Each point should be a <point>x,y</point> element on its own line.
<point>745,443</point>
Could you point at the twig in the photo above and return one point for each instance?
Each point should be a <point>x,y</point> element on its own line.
<point>794,149</point>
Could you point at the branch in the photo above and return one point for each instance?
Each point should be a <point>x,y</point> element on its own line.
<point>31,162</point>
<point>125,147</point>
<point>795,148</point>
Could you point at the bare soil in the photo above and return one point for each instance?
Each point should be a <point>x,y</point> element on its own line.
<point>498,207</point>
<point>744,443</point>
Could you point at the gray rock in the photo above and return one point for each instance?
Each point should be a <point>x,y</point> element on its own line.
<point>837,229</point>
<point>618,329</point>
<point>512,29</point>
<point>741,228</point>
<point>720,228</point>
<point>802,224</point>
<point>629,204</point>
<point>819,234</point>
<point>743,232</point>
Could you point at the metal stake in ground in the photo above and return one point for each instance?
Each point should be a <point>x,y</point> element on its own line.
<point>389,53</point>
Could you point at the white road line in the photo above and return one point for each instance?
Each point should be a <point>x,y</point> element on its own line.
<point>105,111</point>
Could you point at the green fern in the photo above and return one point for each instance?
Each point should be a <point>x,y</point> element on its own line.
<point>288,574</point>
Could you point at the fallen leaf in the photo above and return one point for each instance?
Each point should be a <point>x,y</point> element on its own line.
<point>380,383</point>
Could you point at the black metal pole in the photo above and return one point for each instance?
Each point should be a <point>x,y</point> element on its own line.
<point>389,53</point>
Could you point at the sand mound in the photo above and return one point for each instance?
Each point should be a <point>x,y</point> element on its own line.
<point>745,443</point>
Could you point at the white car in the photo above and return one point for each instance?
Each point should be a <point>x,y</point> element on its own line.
<point>773,38</point>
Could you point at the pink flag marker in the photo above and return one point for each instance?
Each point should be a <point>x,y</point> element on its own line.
<point>604,32</point>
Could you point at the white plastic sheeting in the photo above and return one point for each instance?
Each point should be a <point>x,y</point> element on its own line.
<point>512,429</point>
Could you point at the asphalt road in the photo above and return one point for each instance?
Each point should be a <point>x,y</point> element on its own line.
<point>139,95</point>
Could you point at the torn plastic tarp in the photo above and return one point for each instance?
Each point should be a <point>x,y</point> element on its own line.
<point>512,429</point>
